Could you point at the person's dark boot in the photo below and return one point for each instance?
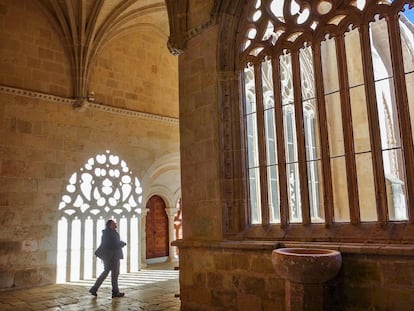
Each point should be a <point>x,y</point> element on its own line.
<point>93,292</point>
<point>116,295</point>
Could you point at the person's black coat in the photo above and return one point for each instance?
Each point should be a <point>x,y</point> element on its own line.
<point>111,245</point>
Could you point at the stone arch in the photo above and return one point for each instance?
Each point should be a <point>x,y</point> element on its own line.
<point>233,150</point>
<point>103,188</point>
<point>162,178</point>
<point>157,233</point>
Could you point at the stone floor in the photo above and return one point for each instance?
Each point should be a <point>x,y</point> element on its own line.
<point>152,289</point>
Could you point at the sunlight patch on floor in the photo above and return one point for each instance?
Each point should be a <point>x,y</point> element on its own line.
<point>143,277</point>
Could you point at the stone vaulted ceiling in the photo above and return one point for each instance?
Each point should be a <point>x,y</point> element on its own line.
<point>86,26</point>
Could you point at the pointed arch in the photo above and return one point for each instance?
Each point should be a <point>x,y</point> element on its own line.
<point>339,117</point>
<point>103,188</point>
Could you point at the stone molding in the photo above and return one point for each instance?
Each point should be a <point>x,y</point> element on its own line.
<point>227,244</point>
<point>345,248</point>
<point>32,94</point>
<point>177,48</point>
<point>85,104</point>
<point>132,113</point>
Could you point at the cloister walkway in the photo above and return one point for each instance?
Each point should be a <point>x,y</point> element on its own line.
<point>151,289</point>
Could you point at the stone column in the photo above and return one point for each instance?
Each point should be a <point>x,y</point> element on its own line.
<point>171,211</point>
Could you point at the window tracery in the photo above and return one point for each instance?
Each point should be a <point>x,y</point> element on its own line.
<point>104,185</point>
<point>341,116</point>
<point>104,188</point>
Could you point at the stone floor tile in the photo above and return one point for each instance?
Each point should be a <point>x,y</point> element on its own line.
<point>152,289</point>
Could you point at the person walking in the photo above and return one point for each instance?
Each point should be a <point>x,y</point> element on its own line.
<point>111,254</point>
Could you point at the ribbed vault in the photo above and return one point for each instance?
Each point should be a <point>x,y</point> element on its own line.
<point>87,26</point>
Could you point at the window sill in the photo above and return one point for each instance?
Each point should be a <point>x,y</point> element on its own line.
<point>344,248</point>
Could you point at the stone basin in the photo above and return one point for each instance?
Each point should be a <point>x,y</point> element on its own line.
<point>306,265</point>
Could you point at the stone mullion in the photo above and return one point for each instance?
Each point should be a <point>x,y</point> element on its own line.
<point>300,138</point>
<point>171,212</point>
<point>350,162</point>
<point>402,109</point>
<point>261,144</point>
<point>140,240</point>
<point>117,220</point>
<point>69,250</point>
<point>129,239</point>
<point>94,246</point>
<point>281,155</point>
<point>374,126</point>
<point>323,132</point>
<point>82,249</point>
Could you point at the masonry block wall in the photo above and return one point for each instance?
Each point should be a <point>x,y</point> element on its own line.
<point>223,279</point>
<point>228,279</point>
<point>42,144</point>
<point>375,282</point>
<point>43,139</point>
<point>141,75</point>
<point>32,55</point>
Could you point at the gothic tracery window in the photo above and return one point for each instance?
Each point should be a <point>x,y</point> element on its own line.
<point>104,188</point>
<point>328,71</point>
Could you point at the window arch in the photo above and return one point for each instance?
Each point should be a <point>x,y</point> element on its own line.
<point>327,136</point>
<point>104,188</point>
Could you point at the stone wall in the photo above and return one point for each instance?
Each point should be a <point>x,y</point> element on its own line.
<point>32,55</point>
<point>213,279</point>
<point>375,282</point>
<point>223,277</point>
<point>141,75</point>
<point>43,139</point>
<point>42,144</point>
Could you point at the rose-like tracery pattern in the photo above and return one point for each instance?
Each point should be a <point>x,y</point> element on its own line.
<point>284,24</point>
<point>104,185</point>
<point>103,188</point>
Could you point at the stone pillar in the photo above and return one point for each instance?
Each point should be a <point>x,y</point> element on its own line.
<point>171,211</point>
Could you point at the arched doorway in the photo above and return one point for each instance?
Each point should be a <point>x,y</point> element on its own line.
<point>156,230</point>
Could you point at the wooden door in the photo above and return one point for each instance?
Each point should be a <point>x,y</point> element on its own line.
<point>157,228</point>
